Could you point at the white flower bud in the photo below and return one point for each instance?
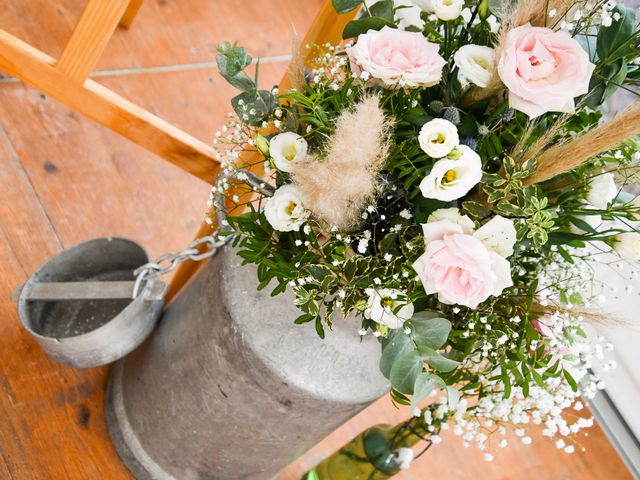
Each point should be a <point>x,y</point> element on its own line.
<point>438,137</point>
<point>452,214</point>
<point>287,149</point>
<point>602,191</point>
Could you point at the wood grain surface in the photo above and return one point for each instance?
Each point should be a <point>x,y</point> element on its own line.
<point>65,179</point>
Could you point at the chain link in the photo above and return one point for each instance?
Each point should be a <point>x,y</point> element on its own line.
<point>170,261</point>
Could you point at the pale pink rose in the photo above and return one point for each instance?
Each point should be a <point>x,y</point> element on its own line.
<point>395,58</point>
<point>543,70</point>
<point>458,267</point>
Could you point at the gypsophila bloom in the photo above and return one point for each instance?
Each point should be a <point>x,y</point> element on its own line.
<point>388,307</point>
<point>287,149</point>
<point>404,457</point>
<point>438,137</point>
<point>475,63</point>
<point>453,177</point>
<point>285,211</point>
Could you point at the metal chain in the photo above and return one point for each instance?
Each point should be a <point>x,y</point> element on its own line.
<point>170,261</point>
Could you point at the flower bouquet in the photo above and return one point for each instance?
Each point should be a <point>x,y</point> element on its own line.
<point>443,180</point>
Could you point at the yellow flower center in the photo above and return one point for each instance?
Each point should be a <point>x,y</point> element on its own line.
<point>289,152</point>
<point>449,177</point>
<point>292,206</point>
<point>438,139</point>
<point>387,302</point>
<point>483,63</point>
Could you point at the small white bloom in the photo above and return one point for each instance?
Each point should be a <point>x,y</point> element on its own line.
<point>287,149</point>
<point>438,137</point>
<point>382,304</point>
<point>406,214</point>
<point>284,211</point>
<point>627,245</point>
<point>404,457</point>
<point>453,215</point>
<point>475,63</point>
<point>499,235</point>
<point>451,179</point>
<point>602,191</point>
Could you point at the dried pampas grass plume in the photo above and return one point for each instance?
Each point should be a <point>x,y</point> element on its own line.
<point>336,188</point>
<point>573,153</point>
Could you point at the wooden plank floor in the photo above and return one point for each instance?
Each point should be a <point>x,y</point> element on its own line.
<point>65,180</point>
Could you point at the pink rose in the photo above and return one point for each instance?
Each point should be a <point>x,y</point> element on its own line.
<point>459,267</point>
<point>543,70</point>
<point>395,58</point>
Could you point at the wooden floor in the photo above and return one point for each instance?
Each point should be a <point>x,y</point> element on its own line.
<point>63,180</point>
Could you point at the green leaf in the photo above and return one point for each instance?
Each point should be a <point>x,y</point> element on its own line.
<point>254,106</point>
<point>382,9</point>
<point>436,360</point>
<point>345,6</point>
<point>570,380</point>
<point>363,25</point>
<point>404,372</point>
<point>397,345</point>
<point>429,330</point>
<point>232,60</point>
<point>422,387</point>
<point>613,38</point>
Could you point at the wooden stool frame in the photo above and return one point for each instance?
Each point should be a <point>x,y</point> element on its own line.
<point>66,80</point>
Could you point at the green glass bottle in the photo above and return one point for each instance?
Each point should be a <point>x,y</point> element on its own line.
<point>369,456</point>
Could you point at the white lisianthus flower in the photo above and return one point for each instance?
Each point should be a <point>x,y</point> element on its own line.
<point>287,149</point>
<point>453,177</point>
<point>475,63</point>
<point>438,137</point>
<point>499,235</point>
<point>627,245</point>
<point>602,191</point>
<point>407,14</point>
<point>388,307</point>
<point>453,215</point>
<point>284,211</point>
<point>447,9</point>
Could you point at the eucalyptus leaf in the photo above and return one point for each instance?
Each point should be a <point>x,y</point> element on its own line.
<point>231,61</point>
<point>453,397</point>
<point>397,345</point>
<point>422,387</point>
<point>363,25</point>
<point>404,372</point>
<point>254,106</point>
<point>613,38</point>
<point>345,6</point>
<point>429,330</point>
<point>436,360</point>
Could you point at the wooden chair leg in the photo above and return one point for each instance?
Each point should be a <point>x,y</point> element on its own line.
<point>23,61</point>
<point>130,13</point>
